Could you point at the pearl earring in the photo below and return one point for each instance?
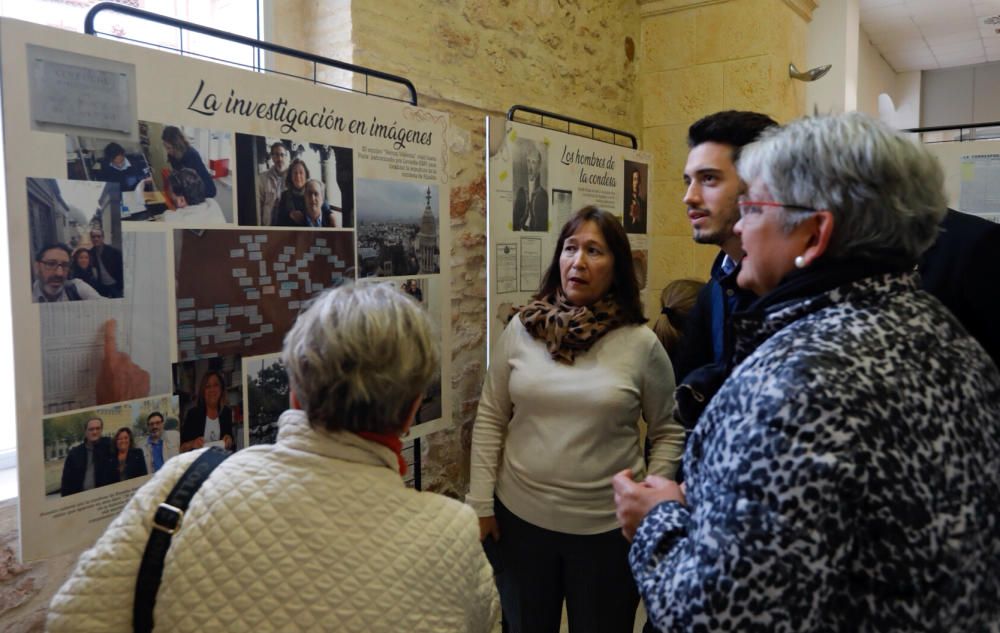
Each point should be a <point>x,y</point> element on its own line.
<point>800,262</point>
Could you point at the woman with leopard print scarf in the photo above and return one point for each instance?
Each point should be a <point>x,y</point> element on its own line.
<point>558,416</point>
<point>846,476</point>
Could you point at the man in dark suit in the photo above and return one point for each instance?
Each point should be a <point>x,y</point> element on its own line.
<point>108,261</point>
<point>961,269</point>
<point>531,206</point>
<point>89,464</point>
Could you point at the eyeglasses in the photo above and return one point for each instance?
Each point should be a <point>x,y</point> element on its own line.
<point>755,207</point>
<point>52,264</point>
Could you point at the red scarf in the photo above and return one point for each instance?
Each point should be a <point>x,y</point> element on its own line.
<point>391,442</point>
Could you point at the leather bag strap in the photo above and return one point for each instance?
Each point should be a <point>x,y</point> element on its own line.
<point>166,522</point>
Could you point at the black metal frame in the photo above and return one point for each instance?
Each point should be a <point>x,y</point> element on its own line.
<point>316,60</point>
<point>945,128</point>
<point>570,120</point>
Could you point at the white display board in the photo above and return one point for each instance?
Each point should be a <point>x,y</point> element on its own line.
<point>537,178</point>
<point>971,175</point>
<point>157,277</point>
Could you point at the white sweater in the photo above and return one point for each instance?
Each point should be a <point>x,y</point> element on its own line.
<point>315,533</point>
<point>548,437</point>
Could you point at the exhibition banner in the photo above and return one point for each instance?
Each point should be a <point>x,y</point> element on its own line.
<point>538,177</point>
<point>167,220</point>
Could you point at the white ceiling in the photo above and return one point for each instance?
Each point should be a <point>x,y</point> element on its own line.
<point>928,34</point>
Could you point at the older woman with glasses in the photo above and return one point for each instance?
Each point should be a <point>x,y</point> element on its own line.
<point>846,476</point>
<point>316,532</point>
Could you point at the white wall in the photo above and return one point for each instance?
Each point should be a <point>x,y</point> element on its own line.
<point>876,77</point>
<point>833,39</point>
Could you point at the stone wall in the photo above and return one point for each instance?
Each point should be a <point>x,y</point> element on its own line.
<point>699,57</point>
<point>25,590</point>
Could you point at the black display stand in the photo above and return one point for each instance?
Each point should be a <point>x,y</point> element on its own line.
<point>568,120</point>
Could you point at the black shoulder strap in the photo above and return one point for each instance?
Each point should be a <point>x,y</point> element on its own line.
<point>166,522</point>
<point>71,291</point>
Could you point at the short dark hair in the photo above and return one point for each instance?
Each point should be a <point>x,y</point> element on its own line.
<point>624,284</point>
<point>186,182</point>
<point>91,419</point>
<point>111,150</point>
<point>155,414</point>
<point>730,127</point>
<point>48,247</point>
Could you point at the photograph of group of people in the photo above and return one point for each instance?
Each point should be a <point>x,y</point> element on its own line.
<point>98,447</point>
<point>293,183</point>
<point>173,173</point>
<point>76,238</point>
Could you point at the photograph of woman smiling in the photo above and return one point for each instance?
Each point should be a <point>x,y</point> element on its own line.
<point>558,417</point>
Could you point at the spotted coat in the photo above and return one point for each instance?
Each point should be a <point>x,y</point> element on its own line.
<point>846,477</point>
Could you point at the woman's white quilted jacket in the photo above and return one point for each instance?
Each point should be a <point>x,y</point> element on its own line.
<point>315,533</point>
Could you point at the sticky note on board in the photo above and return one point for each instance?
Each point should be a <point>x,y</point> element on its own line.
<point>237,252</point>
<point>260,238</point>
<point>254,256</point>
<point>246,239</point>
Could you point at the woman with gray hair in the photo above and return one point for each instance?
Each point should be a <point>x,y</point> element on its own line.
<point>316,532</point>
<point>846,476</point>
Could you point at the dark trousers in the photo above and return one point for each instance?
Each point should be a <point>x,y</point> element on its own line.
<point>538,568</point>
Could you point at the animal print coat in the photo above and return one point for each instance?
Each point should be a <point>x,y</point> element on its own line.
<point>846,477</point>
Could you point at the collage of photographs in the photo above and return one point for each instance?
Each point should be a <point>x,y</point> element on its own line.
<point>257,226</point>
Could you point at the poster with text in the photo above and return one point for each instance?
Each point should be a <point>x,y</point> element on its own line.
<point>537,179</point>
<point>162,242</point>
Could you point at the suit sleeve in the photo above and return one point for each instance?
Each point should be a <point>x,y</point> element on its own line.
<point>695,348</point>
<point>666,436</point>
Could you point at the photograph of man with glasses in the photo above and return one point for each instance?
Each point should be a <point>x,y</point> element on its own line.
<point>52,282</point>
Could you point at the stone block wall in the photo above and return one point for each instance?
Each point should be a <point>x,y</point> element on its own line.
<point>699,57</point>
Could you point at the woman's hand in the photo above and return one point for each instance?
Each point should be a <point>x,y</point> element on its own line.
<point>488,526</point>
<point>227,440</point>
<point>633,500</point>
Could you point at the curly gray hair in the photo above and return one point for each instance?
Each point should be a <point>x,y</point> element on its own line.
<point>886,192</point>
<point>359,357</point>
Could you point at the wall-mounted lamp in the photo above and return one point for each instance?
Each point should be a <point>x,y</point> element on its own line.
<point>809,75</point>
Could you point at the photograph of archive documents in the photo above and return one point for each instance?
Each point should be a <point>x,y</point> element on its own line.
<point>267,396</point>
<point>239,291</point>
<point>121,441</point>
<point>76,240</point>
<point>397,228</point>
<point>211,403</point>
<point>531,198</point>
<point>273,173</point>
<point>98,352</point>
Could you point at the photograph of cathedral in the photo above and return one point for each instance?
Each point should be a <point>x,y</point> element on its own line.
<point>397,228</point>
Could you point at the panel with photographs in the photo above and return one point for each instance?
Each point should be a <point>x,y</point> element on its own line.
<point>166,262</point>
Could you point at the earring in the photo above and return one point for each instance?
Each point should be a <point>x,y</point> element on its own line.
<point>800,262</point>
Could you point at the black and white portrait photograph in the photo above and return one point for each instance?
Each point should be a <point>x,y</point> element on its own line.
<point>531,198</point>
